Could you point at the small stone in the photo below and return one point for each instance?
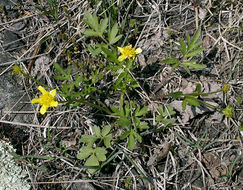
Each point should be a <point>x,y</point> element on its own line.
<point>11,41</point>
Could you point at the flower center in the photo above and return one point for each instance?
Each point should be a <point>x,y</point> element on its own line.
<point>129,52</point>
<point>46,99</point>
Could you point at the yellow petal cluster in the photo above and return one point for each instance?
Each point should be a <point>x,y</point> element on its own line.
<point>128,52</point>
<point>46,100</point>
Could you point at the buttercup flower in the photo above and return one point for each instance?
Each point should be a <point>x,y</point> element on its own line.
<point>46,100</point>
<point>128,52</point>
<point>228,111</point>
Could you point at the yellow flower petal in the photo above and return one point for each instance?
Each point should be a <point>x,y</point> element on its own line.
<point>121,58</point>
<point>43,109</point>
<point>35,100</point>
<point>54,104</point>
<point>53,92</point>
<point>120,49</point>
<point>43,91</point>
<point>138,50</point>
<point>128,52</point>
<point>46,100</point>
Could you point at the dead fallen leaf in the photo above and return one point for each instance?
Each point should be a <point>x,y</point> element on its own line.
<point>159,154</point>
<point>191,111</point>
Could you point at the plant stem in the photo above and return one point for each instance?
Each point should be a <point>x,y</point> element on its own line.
<point>92,105</point>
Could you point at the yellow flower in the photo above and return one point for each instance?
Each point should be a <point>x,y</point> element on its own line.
<point>128,52</point>
<point>46,100</point>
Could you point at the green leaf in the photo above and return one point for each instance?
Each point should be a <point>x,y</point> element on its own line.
<point>194,52</point>
<point>192,101</point>
<point>124,122</point>
<point>111,55</point>
<point>96,130</point>
<point>106,130</point>
<point>170,110</point>
<point>141,112</point>
<point>116,112</point>
<point>193,46</point>
<point>131,142</point>
<point>176,94</point>
<point>125,135</point>
<point>239,100</point>
<point>84,152</point>
<point>138,137</point>
<point>127,110</point>
<point>103,25</point>
<point>195,37</point>
<point>194,66</point>
<point>89,139</point>
<point>170,61</point>
<point>167,122</point>
<point>69,71</point>
<point>94,51</point>
<point>116,39</point>
<point>184,103</point>
<point>175,65</point>
<point>112,34</point>
<point>100,154</point>
<point>107,140</point>
<point>182,47</point>
<point>198,88</point>
<point>159,118</point>
<point>92,161</point>
<point>59,68</point>
<point>187,70</point>
<point>160,110</point>
<point>89,33</point>
<point>143,125</point>
<point>92,21</point>
<point>57,77</point>
<point>188,40</point>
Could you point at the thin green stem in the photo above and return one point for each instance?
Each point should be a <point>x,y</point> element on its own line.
<point>40,83</point>
<point>209,105</point>
<point>92,105</point>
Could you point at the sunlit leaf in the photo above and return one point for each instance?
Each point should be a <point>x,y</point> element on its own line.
<point>141,112</point>
<point>84,152</point>
<point>131,142</point>
<point>106,130</point>
<point>96,130</point>
<point>103,25</point>
<point>100,153</point>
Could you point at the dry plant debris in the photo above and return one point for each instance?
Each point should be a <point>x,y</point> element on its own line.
<point>195,148</point>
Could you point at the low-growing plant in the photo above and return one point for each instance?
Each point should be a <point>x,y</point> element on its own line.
<point>163,115</point>
<point>129,118</point>
<point>193,99</point>
<point>120,63</point>
<point>189,50</point>
<point>95,154</point>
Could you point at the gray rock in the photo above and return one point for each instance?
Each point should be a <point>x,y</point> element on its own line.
<point>11,41</point>
<point>11,7</point>
<point>12,96</point>
<point>12,176</point>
